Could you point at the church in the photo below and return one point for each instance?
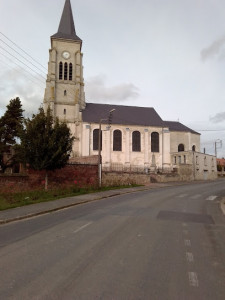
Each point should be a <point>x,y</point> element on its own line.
<point>129,137</point>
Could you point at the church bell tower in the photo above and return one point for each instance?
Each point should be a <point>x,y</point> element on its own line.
<point>64,91</point>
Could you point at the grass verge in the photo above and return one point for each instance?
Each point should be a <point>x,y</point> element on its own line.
<point>17,199</point>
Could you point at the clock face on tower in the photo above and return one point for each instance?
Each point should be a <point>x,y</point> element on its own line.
<point>66,54</point>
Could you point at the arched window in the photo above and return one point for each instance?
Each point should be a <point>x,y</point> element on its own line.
<point>117,140</point>
<point>60,70</point>
<point>136,141</point>
<point>180,147</point>
<point>65,71</point>
<point>154,142</point>
<point>95,139</point>
<point>193,148</point>
<point>70,71</point>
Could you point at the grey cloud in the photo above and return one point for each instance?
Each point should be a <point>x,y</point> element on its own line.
<point>215,49</point>
<point>96,90</point>
<point>18,85</point>
<point>218,118</point>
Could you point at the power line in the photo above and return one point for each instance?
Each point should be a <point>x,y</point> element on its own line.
<point>22,50</point>
<point>21,56</point>
<point>3,62</point>
<point>22,62</point>
<point>36,78</point>
<point>211,130</point>
<point>68,88</point>
<point>70,91</point>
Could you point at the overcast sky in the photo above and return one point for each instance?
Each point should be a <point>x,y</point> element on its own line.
<point>166,54</point>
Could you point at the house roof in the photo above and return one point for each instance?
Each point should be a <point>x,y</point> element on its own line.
<point>220,161</point>
<point>177,126</point>
<point>129,115</point>
<point>66,28</point>
<point>124,115</point>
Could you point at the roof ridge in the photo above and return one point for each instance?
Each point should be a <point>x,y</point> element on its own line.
<point>120,105</point>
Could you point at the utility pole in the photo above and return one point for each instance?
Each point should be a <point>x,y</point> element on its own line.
<point>217,142</point>
<point>100,144</point>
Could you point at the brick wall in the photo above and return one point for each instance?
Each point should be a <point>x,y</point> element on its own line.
<point>80,175</point>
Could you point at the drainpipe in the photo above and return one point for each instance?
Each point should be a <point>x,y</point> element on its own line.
<point>162,149</point>
<point>193,164</point>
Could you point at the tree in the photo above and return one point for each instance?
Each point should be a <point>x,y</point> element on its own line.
<point>46,143</point>
<point>11,124</point>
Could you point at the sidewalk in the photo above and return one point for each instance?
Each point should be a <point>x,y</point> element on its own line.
<point>28,211</point>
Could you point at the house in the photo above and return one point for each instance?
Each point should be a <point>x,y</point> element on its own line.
<point>220,166</point>
<point>130,137</point>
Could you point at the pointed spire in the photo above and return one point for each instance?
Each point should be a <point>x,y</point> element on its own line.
<point>66,27</point>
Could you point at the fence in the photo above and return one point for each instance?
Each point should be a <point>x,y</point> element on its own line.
<point>121,168</point>
<point>117,167</point>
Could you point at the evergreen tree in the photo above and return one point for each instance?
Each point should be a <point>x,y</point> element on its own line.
<point>11,124</point>
<point>45,144</point>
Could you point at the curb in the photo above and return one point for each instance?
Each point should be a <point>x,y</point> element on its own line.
<point>114,193</point>
<point>46,211</point>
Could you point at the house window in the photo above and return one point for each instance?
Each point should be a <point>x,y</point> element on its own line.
<point>136,141</point>
<point>154,142</point>
<point>60,70</point>
<point>117,140</point>
<point>70,71</point>
<point>180,147</point>
<point>64,111</point>
<point>65,71</point>
<point>95,139</point>
<point>179,159</point>
<point>205,161</point>
<point>184,159</point>
<point>193,148</point>
<point>65,93</point>
<point>196,160</point>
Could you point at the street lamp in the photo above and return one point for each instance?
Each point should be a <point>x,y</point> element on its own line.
<point>99,145</point>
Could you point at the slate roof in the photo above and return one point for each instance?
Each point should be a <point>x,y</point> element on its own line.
<point>130,115</point>
<point>123,115</point>
<point>66,28</point>
<point>177,126</point>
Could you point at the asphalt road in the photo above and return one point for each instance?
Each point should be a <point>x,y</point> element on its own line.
<point>166,243</point>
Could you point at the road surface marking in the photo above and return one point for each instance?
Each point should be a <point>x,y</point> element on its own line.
<point>182,195</point>
<point>193,279</point>
<point>211,198</point>
<point>82,227</point>
<point>187,243</point>
<point>189,257</point>
<point>196,196</point>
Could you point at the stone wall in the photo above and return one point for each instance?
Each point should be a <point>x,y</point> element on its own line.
<point>116,179</point>
<point>86,160</point>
